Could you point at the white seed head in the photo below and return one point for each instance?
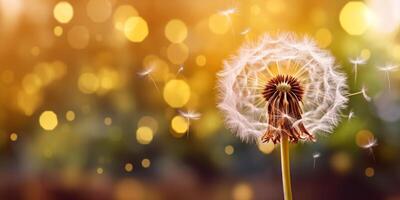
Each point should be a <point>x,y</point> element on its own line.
<point>389,68</point>
<point>316,155</point>
<point>358,61</point>
<point>245,31</point>
<point>243,78</point>
<point>146,71</point>
<point>370,144</point>
<point>229,11</point>
<point>192,115</point>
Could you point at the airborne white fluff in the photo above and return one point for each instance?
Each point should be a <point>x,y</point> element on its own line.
<point>243,77</point>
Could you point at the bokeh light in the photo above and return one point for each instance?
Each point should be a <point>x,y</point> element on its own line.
<point>99,10</point>
<point>323,37</point>
<point>201,60</point>
<point>341,162</point>
<point>229,150</point>
<point>177,53</point>
<point>266,147</point>
<point>88,83</point>
<point>128,167</point>
<point>136,29</point>
<point>121,14</point>
<point>176,93</point>
<point>355,17</point>
<point>242,191</point>
<point>148,122</point>
<point>219,24</point>
<point>146,163</point>
<point>78,37</point>
<point>144,135</point>
<point>369,172</point>
<point>48,120</point>
<point>58,31</point>
<point>13,137</point>
<point>179,124</point>
<point>108,121</point>
<point>63,12</point>
<point>176,31</point>
<point>70,115</point>
<point>99,170</point>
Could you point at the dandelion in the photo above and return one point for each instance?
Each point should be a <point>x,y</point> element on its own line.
<point>281,89</point>
<point>315,156</point>
<point>356,62</point>
<point>147,73</point>
<point>371,143</point>
<point>189,115</point>
<point>387,69</point>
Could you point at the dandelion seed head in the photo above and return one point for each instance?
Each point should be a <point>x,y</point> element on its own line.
<point>316,155</point>
<point>370,144</point>
<point>229,11</point>
<point>192,115</point>
<point>148,70</point>
<point>316,87</point>
<point>358,60</point>
<point>245,31</point>
<point>388,68</point>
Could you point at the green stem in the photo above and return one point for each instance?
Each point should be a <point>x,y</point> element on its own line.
<point>285,163</point>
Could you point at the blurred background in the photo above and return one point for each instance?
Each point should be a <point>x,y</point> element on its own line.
<point>95,97</point>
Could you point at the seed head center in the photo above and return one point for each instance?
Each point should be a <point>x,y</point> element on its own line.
<point>283,87</point>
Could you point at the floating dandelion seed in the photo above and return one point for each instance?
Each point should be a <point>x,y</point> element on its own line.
<point>371,143</point>
<point>245,31</point>
<point>363,91</point>
<point>180,69</point>
<point>315,156</point>
<point>147,73</point>
<point>280,89</point>
<point>356,62</point>
<point>387,69</point>
<point>350,116</point>
<point>189,115</point>
<point>228,12</point>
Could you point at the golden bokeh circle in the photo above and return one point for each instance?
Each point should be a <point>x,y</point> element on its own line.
<point>48,120</point>
<point>177,53</point>
<point>78,37</point>
<point>354,17</point>
<point>179,124</point>
<point>88,83</point>
<point>176,93</point>
<point>136,29</point>
<point>219,24</point>
<point>99,10</point>
<point>121,14</point>
<point>176,31</point>
<point>266,147</point>
<point>63,12</point>
<point>144,135</point>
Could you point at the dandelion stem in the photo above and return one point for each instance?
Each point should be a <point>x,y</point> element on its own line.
<point>285,164</point>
